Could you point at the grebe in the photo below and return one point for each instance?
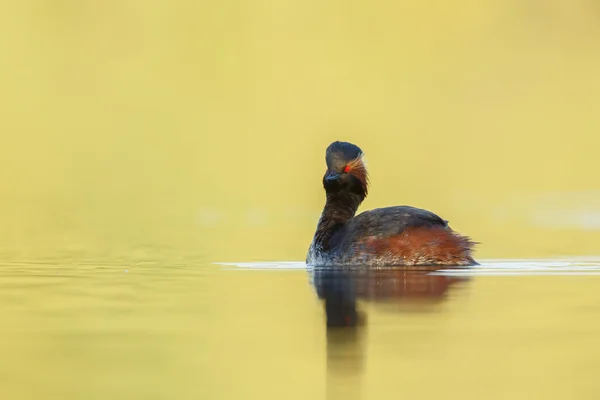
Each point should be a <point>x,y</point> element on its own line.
<point>390,236</point>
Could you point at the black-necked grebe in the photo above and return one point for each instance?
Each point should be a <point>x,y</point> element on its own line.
<point>401,235</point>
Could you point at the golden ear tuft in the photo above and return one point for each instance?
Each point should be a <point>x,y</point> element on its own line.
<point>358,169</point>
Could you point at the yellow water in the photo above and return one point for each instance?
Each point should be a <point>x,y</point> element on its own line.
<point>141,141</point>
<point>179,328</point>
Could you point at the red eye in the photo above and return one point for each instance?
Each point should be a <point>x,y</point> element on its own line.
<point>347,168</point>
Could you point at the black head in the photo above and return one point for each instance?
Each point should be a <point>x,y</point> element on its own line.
<point>339,154</point>
<point>346,171</point>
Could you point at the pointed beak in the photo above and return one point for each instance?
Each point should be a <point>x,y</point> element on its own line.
<point>332,177</point>
<point>332,181</point>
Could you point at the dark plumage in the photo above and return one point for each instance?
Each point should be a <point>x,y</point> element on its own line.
<point>400,235</point>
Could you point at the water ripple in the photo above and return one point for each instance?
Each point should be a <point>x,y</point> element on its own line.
<point>490,267</point>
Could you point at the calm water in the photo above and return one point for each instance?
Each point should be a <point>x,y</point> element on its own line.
<point>178,327</point>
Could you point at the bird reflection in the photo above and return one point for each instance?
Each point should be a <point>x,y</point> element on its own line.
<point>341,289</point>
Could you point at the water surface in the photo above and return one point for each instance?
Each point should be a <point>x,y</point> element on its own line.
<point>141,327</point>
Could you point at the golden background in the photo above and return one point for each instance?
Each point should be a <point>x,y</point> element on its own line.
<point>142,138</point>
<point>203,125</point>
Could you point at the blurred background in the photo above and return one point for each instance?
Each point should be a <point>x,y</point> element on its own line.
<point>142,139</point>
<point>203,125</point>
